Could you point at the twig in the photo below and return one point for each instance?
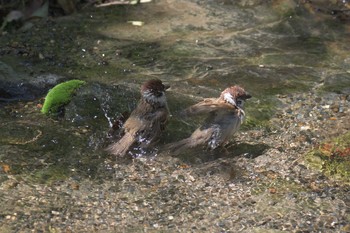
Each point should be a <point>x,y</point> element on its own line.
<point>40,133</point>
<point>114,3</point>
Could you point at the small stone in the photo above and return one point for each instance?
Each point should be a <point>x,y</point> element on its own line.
<point>305,127</point>
<point>318,99</point>
<point>346,228</point>
<point>55,212</point>
<point>335,109</point>
<point>272,190</point>
<point>297,106</point>
<point>9,184</point>
<point>84,130</point>
<point>74,186</point>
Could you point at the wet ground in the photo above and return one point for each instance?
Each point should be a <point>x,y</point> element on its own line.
<point>293,59</point>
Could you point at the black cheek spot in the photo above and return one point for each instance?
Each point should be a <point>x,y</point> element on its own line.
<point>158,94</point>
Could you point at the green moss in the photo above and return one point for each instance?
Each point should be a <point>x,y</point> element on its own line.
<point>284,187</point>
<point>50,174</point>
<point>258,114</point>
<point>285,8</point>
<point>338,83</point>
<point>60,95</point>
<point>332,158</point>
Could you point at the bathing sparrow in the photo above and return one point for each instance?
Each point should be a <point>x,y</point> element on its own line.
<point>224,117</point>
<point>146,123</point>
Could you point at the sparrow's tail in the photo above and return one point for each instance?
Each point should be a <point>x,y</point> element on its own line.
<point>121,147</point>
<point>177,148</point>
<point>200,137</point>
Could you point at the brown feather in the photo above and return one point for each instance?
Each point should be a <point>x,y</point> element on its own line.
<point>146,123</point>
<point>122,146</point>
<point>224,118</point>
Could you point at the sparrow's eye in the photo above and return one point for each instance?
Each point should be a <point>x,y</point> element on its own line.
<point>239,102</point>
<point>158,93</point>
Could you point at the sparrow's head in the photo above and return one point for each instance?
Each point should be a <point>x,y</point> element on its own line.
<point>235,95</point>
<point>153,91</point>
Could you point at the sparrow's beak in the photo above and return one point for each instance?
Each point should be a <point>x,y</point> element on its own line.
<point>166,87</point>
<point>247,96</point>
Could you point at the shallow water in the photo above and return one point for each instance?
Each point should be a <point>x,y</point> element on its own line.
<point>198,48</point>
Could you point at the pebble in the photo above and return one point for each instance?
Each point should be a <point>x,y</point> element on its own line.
<point>305,127</point>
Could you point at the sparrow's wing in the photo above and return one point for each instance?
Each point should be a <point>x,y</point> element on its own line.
<point>151,121</point>
<point>157,120</point>
<point>134,125</point>
<point>206,106</point>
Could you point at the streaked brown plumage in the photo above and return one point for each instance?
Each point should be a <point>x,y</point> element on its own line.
<point>146,123</point>
<point>225,115</point>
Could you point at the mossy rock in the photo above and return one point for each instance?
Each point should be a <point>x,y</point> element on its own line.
<point>339,83</point>
<point>332,158</point>
<point>59,96</point>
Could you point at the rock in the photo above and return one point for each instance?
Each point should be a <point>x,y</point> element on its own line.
<point>338,83</point>
<point>18,86</point>
<point>99,104</point>
<point>60,95</point>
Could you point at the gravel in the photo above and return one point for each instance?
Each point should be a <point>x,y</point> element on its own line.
<point>271,190</point>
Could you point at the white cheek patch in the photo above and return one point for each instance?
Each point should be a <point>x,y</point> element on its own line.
<point>229,98</point>
<point>147,95</point>
<point>150,97</point>
<point>241,114</point>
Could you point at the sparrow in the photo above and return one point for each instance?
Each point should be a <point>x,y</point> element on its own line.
<point>146,123</point>
<point>224,117</point>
